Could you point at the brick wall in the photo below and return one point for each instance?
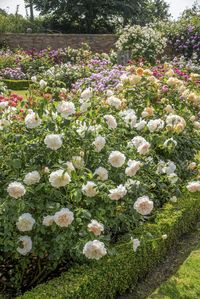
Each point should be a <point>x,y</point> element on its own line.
<point>98,42</point>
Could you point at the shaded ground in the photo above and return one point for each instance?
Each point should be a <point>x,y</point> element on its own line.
<point>169,267</point>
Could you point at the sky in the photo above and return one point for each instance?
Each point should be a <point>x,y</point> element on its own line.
<point>176,6</point>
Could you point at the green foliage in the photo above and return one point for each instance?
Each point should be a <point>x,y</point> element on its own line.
<point>16,84</point>
<point>121,271</point>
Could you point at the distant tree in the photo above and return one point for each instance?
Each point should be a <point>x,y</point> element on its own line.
<point>194,11</point>
<point>3,12</point>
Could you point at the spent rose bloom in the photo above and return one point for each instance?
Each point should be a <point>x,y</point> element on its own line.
<point>193,186</point>
<point>16,190</point>
<point>102,174</point>
<point>66,109</point>
<point>95,227</point>
<point>64,217</point>
<point>94,250</point>
<point>25,245</point>
<point>140,125</point>
<point>116,159</point>
<point>144,205</point>
<point>53,141</point>
<point>59,178</point>
<point>32,120</point>
<point>32,178</point>
<point>111,121</point>
<point>117,193</point>
<point>25,222</point>
<point>90,189</point>
<point>99,143</point>
<point>133,167</point>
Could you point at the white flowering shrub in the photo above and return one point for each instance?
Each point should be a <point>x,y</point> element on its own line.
<point>73,180</point>
<point>142,42</point>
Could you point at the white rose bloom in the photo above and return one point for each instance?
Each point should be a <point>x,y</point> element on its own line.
<point>66,109</point>
<point>78,162</point>
<point>16,190</point>
<point>53,141</point>
<point>64,217</point>
<point>95,227</point>
<point>3,105</point>
<point>90,189</point>
<point>137,141</point>
<point>102,174</point>
<point>169,168</point>
<point>32,178</point>
<point>118,193</point>
<point>197,125</point>
<point>140,125</point>
<point>48,220</point>
<point>175,121</point>
<point>32,120</point>
<point>86,94</point>
<point>136,244</point>
<point>143,149</point>
<point>34,79</point>
<point>25,222</point>
<point>155,125</point>
<point>129,117</point>
<point>99,143</point>
<point>133,167</point>
<point>116,159</point>
<point>111,121</point>
<point>42,84</point>
<point>26,245</point>
<point>114,101</point>
<point>59,178</point>
<point>193,186</point>
<point>143,205</point>
<point>94,250</point>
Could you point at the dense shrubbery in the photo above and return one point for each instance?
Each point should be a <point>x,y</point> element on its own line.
<point>92,166</point>
<point>19,24</point>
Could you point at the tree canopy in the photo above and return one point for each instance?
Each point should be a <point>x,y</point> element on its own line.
<point>91,16</point>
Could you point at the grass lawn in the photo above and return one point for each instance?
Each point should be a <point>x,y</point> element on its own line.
<point>185,284</point>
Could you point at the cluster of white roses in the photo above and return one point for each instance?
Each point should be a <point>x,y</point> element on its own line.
<point>147,122</point>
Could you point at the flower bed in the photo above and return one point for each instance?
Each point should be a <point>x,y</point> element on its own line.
<point>78,174</point>
<point>115,274</point>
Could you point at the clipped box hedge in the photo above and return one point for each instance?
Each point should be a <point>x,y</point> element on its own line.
<point>115,274</point>
<point>17,84</point>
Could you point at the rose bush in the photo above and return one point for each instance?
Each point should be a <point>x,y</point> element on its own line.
<point>79,173</point>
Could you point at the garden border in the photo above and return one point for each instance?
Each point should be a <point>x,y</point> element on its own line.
<point>116,273</point>
<point>16,84</point>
